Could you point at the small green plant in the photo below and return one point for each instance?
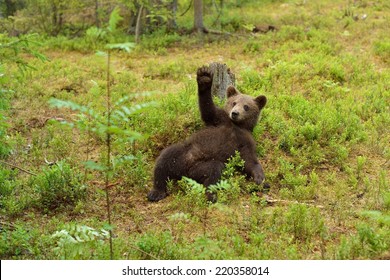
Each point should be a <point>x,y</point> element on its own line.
<point>11,50</point>
<point>178,222</point>
<point>58,186</point>
<point>374,240</point>
<point>304,222</point>
<point>382,48</point>
<point>206,248</point>
<point>252,80</point>
<point>94,35</point>
<point>361,161</point>
<point>291,177</point>
<point>20,242</point>
<point>5,183</point>
<point>13,196</point>
<point>233,182</point>
<point>234,164</point>
<point>196,199</point>
<point>195,193</point>
<point>77,242</point>
<point>97,36</point>
<point>371,240</point>
<point>158,245</point>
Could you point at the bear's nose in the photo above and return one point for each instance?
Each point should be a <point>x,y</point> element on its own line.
<point>235,115</point>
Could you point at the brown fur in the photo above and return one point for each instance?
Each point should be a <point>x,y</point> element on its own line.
<point>202,157</point>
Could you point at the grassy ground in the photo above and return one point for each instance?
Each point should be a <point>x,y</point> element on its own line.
<point>323,141</point>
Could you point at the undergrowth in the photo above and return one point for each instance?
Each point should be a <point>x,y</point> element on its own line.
<point>322,140</point>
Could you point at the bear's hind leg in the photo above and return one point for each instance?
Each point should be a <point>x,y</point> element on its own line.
<point>207,173</point>
<point>169,166</point>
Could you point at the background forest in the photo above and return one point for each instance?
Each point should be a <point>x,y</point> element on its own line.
<point>92,91</point>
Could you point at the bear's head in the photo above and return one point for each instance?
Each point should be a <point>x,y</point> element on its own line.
<point>243,110</point>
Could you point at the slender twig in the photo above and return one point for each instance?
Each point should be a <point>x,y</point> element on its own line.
<point>88,151</point>
<point>19,168</point>
<point>189,7</point>
<point>108,143</point>
<point>219,11</point>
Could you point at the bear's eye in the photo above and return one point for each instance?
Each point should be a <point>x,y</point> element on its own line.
<point>234,103</point>
<point>246,107</point>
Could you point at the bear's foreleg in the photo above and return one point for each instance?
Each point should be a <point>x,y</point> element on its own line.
<point>210,114</point>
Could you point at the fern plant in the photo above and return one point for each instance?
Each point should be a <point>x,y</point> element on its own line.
<point>78,242</point>
<point>11,50</point>
<point>95,36</point>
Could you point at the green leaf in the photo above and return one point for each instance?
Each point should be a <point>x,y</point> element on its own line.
<point>133,135</point>
<point>94,165</point>
<point>123,159</point>
<point>121,46</point>
<point>133,96</point>
<point>114,130</point>
<point>124,112</point>
<point>58,103</point>
<point>107,227</point>
<point>101,53</point>
<point>195,186</point>
<point>377,216</point>
<point>115,18</point>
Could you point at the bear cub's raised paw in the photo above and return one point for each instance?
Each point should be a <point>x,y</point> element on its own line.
<point>204,77</point>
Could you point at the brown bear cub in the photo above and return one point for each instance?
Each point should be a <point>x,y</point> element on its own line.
<point>202,157</point>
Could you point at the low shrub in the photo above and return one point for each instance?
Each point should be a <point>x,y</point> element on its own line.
<point>58,186</point>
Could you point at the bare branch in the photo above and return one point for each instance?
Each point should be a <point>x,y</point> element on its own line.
<point>19,168</point>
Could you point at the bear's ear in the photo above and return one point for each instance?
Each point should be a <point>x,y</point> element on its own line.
<point>231,91</point>
<point>261,101</point>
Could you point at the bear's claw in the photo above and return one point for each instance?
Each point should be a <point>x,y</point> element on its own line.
<point>155,195</point>
<point>259,178</point>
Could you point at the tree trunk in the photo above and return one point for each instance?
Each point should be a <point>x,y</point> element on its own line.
<point>198,16</point>
<point>222,79</point>
<point>57,20</point>
<point>54,10</point>
<point>97,21</point>
<point>172,20</point>
<point>133,19</point>
<point>138,25</point>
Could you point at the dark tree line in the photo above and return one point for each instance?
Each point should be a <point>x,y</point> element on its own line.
<point>72,17</point>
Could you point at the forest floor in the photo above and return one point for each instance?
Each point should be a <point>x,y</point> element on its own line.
<point>323,141</point>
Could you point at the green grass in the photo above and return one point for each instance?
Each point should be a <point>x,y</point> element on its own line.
<point>323,140</point>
